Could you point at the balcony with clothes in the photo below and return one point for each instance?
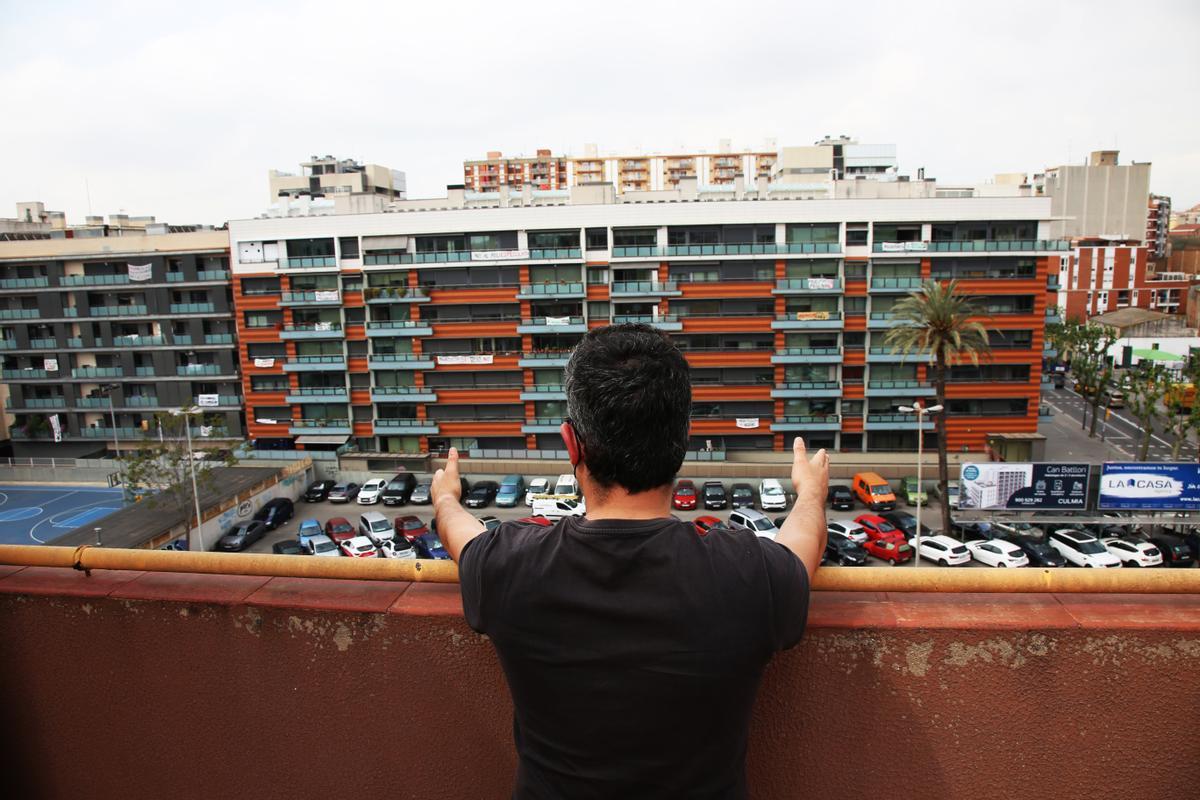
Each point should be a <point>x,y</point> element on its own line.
<point>810,312</point>
<point>821,276</point>
<point>312,290</point>
<point>314,323</point>
<point>545,317</point>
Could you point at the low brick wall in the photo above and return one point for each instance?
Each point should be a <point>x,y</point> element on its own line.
<point>139,685</point>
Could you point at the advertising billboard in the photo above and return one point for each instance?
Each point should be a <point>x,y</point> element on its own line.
<point>1154,486</point>
<point>1021,486</point>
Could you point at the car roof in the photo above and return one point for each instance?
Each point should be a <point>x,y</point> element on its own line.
<point>332,520</point>
<point>308,523</point>
<point>949,541</point>
<point>868,477</point>
<point>750,513</point>
<point>685,482</point>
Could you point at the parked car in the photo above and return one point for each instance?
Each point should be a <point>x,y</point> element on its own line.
<point>536,486</point>
<point>943,550</point>
<point>741,495</point>
<point>1192,540</point>
<point>706,523</point>
<point>970,531</point>
<point>490,523</point>
<point>317,491</point>
<point>566,487</point>
<point>1174,548</point>
<point>771,496</point>
<point>288,547</point>
<point>511,491</point>
<point>877,527</point>
<point>420,494</point>
<point>842,551</point>
<point>840,497</point>
<point>339,528</point>
<point>684,496</point>
<point>894,551</point>
<point>1134,552</point>
<point>873,491</point>
<point>951,493</point>
<point>554,509</point>
<point>481,495</point>
<point>409,527</point>
<point>851,530</point>
<point>1037,550</point>
<point>755,521</point>
<point>359,547</point>
<point>911,491</point>
<point>430,546</point>
<point>907,524</point>
<point>369,493</point>
<point>343,492</point>
<point>399,489</point>
<point>375,526</point>
<point>275,512</point>
<point>715,495</point>
<point>322,546</point>
<point>397,547</point>
<point>241,536</point>
<point>1081,549</point>
<point>1113,398</point>
<point>308,529</point>
<point>998,553</point>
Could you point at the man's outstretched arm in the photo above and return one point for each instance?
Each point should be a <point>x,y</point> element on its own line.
<point>804,530</point>
<point>455,525</point>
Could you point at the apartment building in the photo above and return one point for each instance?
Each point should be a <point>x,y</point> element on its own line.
<point>1102,198</point>
<point>1099,275</point>
<point>1158,226</point>
<point>449,322</point>
<point>543,171</point>
<point>329,176</point>
<point>99,333</point>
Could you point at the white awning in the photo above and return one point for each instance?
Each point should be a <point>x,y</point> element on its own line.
<point>321,439</point>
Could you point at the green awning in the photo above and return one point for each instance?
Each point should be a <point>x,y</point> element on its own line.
<point>1156,355</point>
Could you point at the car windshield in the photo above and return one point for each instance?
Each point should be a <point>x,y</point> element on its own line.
<point>881,489</point>
<point>762,524</point>
<point>325,547</point>
<point>884,527</point>
<point>413,524</point>
<point>340,527</point>
<point>772,490</point>
<point>433,542</point>
<point>841,491</point>
<point>1090,547</point>
<point>685,491</point>
<point>742,492</point>
<point>363,548</point>
<point>238,530</point>
<point>396,485</point>
<point>341,487</point>
<point>713,491</point>
<point>380,525</point>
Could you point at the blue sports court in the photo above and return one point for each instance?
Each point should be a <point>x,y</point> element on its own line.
<point>35,514</point>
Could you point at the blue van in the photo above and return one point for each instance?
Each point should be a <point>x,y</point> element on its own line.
<point>511,492</point>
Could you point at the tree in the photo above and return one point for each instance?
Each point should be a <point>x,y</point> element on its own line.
<point>163,470</point>
<point>1085,346</point>
<point>936,320</point>
<point>1181,419</point>
<point>1145,386</point>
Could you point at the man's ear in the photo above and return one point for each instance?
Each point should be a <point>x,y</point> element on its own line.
<point>574,448</point>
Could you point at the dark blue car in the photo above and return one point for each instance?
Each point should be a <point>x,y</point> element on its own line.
<point>430,546</point>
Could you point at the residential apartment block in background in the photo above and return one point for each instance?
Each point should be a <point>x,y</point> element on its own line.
<point>543,171</point>
<point>142,321</point>
<point>329,176</point>
<point>1098,276</point>
<point>449,322</point>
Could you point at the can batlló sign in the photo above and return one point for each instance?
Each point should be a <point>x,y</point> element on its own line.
<point>1171,486</point>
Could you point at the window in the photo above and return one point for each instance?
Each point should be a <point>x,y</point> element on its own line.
<point>554,239</point>
<point>349,246</point>
<point>856,234</point>
<point>268,383</point>
<point>256,286</point>
<point>825,233</point>
<point>635,237</point>
<point>597,238</point>
<point>263,319</point>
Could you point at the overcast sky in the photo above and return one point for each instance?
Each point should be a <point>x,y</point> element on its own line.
<point>179,110</point>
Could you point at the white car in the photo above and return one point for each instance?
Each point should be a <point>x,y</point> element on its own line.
<point>944,550</point>
<point>536,486</point>
<point>850,529</point>
<point>553,508</point>
<point>398,547</point>
<point>368,494</point>
<point>1134,553</point>
<point>755,521</point>
<point>359,547</point>
<point>1081,549</point>
<point>321,545</point>
<point>998,553</point>
<point>771,496</point>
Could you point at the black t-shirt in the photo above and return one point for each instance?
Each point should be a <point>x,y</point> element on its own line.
<point>633,649</point>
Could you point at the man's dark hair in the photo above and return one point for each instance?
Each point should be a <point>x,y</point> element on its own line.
<point>629,398</point>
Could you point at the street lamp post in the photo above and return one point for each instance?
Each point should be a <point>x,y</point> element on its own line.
<point>108,390</point>
<point>187,429</point>
<point>920,412</point>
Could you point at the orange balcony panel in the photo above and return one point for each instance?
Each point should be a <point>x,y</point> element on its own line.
<point>986,286</point>
<point>357,365</point>
<point>254,398</point>
<point>727,427</point>
<point>358,332</point>
<point>730,358</point>
<point>256,302</point>
<point>1006,356</point>
<point>852,391</point>
<point>597,291</point>
<point>703,393</point>
<point>760,324</point>
<point>597,323</point>
<point>248,368</point>
<point>492,428</point>
<point>499,363</point>
<point>258,334</point>
<point>856,322</point>
<point>856,288</point>
<point>352,299</point>
<point>465,396</point>
<point>364,428</point>
<point>719,289</point>
<point>360,397</point>
<point>986,390</point>
<point>470,330</point>
<point>854,357</point>
<point>852,424</point>
<point>494,294</point>
<point>259,430</point>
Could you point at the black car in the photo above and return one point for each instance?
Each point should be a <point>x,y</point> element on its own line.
<point>715,495</point>
<point>317,491</point>
<point>973,531</point>
<point>741,495</point>
<point>1036,549</point>
<point>275,512</point>
<point>1175,551</point>
<point>1192,540</point>
<point>481,494</point>
<point>288,547</point>
<point>241,536</point>
<point>907,523</point>
<point>343,492</point>
<point>843,552</point>
<point>840,497</point>
<point>399,489</point>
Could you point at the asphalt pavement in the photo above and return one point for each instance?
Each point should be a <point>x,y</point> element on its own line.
<point>1118,434</point>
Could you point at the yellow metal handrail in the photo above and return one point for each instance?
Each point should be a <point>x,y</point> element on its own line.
<point>838,579</point>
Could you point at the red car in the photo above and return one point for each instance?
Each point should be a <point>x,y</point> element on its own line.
<point>706,523</point>
<point>339,530</point>
<point>878,528</point>
<point>410,527</point>
<point>684,498</point>
<point>892,550</point>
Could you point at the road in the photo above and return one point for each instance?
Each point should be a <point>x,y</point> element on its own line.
<point>1123,432</point>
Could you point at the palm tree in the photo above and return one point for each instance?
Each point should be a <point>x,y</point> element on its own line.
<point>936,320</point>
